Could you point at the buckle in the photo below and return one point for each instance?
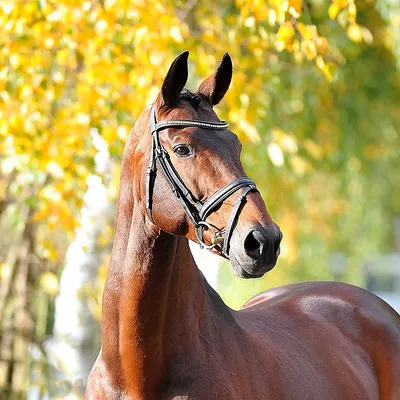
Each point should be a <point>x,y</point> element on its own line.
<point>216,240</point>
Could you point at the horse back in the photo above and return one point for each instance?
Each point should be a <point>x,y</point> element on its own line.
<point>330,331</point>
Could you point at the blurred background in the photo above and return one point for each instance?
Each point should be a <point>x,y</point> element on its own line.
<point>315,99</point>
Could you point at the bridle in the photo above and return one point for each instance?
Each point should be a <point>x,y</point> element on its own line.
<point>196,211</point>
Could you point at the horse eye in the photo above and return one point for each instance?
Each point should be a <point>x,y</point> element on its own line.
<point>182,150</point>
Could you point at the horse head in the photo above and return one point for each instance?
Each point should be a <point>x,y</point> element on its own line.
<point>188,173</point>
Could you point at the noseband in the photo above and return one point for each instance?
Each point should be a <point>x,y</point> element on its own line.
<point>196,211</point>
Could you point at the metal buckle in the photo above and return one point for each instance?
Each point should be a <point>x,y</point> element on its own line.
<point>216,240</point>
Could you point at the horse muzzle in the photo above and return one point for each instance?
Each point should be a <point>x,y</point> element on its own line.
<point>256,252</point>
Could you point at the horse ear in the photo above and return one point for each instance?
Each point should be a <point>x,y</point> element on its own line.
<point>175,80</point>
<point>217,84</point>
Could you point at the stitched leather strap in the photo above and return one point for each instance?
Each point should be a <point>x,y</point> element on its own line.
<point>187,123</point>
<point>218,198</point>
<point>183,123</point>
<point>222,194</point>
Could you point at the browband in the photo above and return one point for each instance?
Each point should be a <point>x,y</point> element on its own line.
<point>183,123</point>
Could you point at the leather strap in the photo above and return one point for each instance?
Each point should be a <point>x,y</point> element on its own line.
<point>218,198</point>
<point>222,194</point>
<point>230,226</point>
<point>183,123</point>
<point>188,123</point>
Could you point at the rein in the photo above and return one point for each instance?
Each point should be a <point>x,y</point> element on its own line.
<point>196,211</point>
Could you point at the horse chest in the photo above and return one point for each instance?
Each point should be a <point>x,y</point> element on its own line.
<point>215,373</point>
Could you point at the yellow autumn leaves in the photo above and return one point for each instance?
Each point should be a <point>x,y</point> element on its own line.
<point>71,66</point>
<point>304,42</point>
<point>345,11</point>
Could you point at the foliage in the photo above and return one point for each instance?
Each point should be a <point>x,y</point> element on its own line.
<point>314,99</point>
<point>330,157</point>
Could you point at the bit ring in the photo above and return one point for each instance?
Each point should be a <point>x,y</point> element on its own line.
<point>215,240</point>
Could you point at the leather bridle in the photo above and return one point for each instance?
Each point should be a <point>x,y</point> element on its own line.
<point>196,211</point>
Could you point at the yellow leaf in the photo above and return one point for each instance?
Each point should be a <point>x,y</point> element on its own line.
<point>352,9</point>
<point>355,33</point>
<point>299,165</point>
<point>367,35</point>
<point>289,144</point>
<point>285,32</point>
<point>296,4</point>
<point>309,49</point>
<point>26,91</point>
<point>305,31</point>
<point>3,128</point>
<point>294,13</point>
<point>250,131</point>
<point>298,57</point>
<point>320,62</point>
<point>333,11</point>
<point>261,12</point>
<point>49,283</point>
<point>272,16</point>
<point>286,141</point>
<point>123,132</point>
<point>280,45</point>
<point>54,169</point>
<point>15,60</point>
<point>324,68</point>
<point>101,26</point>
<point>322,44</point>
<point>109,133</point>
<point>313,148</point>
<point>39,215</point>
<point>49,43</point>
<point>175,33</point>
<point>250,22</point>
<point>275,154</point>
<point>5,271</point>
<point>340,3</point>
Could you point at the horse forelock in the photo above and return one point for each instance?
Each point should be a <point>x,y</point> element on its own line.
<point>193,98</point>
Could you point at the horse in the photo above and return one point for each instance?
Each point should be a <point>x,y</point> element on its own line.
<point>166,334</point>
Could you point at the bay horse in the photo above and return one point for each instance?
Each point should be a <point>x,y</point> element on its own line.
<point>166,333</point>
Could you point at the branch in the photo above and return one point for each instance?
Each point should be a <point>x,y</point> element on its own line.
<point>307,12</point>
<point>188,9</point>
<point>8,199</point>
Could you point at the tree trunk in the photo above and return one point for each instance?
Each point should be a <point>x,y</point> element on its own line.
<point>16,325</point>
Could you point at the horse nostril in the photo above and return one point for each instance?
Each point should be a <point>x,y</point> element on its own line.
<point>253,244</point>
<point>278,241</point>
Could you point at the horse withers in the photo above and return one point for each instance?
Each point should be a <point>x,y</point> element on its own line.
<point>166,333</point>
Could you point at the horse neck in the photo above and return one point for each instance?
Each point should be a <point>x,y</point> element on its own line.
<point>152,302</point>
